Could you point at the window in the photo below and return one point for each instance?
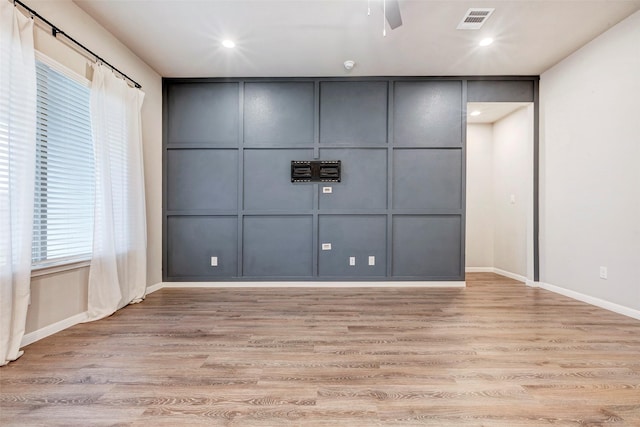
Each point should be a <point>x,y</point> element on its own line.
<point>64,185</point>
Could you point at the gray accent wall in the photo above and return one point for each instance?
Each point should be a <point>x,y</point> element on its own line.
<point>397,214</point>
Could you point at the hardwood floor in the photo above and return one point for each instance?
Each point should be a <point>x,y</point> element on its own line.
<point>494,354</point>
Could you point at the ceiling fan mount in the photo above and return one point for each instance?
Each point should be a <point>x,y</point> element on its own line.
<point>392,13</point>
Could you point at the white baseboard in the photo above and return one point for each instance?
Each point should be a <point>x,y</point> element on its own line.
<point>151,289</point>
<point>504,273</point>
<point>607,305</point>
<point>314,284</point>
<point>48,330</point>
<point>510,275</point>
<point>479,270</point>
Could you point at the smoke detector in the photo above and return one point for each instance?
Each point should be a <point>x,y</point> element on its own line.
<point>349,64</point>
<point>475,18</point>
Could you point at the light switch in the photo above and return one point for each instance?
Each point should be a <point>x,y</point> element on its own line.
<point>603,272</point>
<point>352,260</point>
<point>372,260</point>
<point>327,190</point>
<point>326,246</point>
<point>214,261</point>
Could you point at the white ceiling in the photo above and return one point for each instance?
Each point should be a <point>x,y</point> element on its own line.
<point>314,37</point>
<point>491,112</point>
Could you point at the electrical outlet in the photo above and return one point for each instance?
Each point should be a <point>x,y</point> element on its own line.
<point>603,272</point>
<point>372,260</point>
<point>352,260</point>
<point>214,261</point>
<point>326,246</point>
<point>327,190</point>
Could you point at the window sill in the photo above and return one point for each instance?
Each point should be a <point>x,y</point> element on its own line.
<point>44,270</point>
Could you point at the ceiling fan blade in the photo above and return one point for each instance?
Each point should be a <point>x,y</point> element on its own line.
<point>392,13</point>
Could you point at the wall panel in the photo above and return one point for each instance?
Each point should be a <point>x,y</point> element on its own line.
<point>193,240</point>
<point>426,245</point>
<point>428,113</point>
<point>267,182</point>
<point>364,179</point>
<point>202,113</point>
<point>278,113</point>
<point>278,246</point>
<point>501,91</point>
<point>357,236</point>
<point>353,112</point>
<point>202,179</point>
<point>427,179</point>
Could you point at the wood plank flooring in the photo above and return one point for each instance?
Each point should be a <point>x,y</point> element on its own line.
<point>494,354</point>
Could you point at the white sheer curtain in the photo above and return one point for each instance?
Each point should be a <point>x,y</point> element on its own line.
<point>117,275</point>
<point>17,171</point>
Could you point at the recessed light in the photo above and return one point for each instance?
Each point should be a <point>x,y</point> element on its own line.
<point>229,44</point>
<point>475,113</point>
<point>486,42</point>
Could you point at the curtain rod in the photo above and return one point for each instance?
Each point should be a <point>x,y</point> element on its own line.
<point>55,31</point>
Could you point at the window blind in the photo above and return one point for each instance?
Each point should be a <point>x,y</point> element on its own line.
<point>64,188</point>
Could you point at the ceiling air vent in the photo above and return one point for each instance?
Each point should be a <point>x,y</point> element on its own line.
<point>475,18</point>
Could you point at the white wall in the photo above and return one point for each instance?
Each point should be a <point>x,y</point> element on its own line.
<point>590,168</point>
<point>512,189</point>
<point>479,221</point>
<point>59,296</point>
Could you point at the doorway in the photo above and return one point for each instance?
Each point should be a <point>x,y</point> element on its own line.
<point>500,192</point>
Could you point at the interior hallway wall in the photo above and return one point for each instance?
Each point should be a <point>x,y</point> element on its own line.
<point>480,211</point>
<point>512,192</point>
